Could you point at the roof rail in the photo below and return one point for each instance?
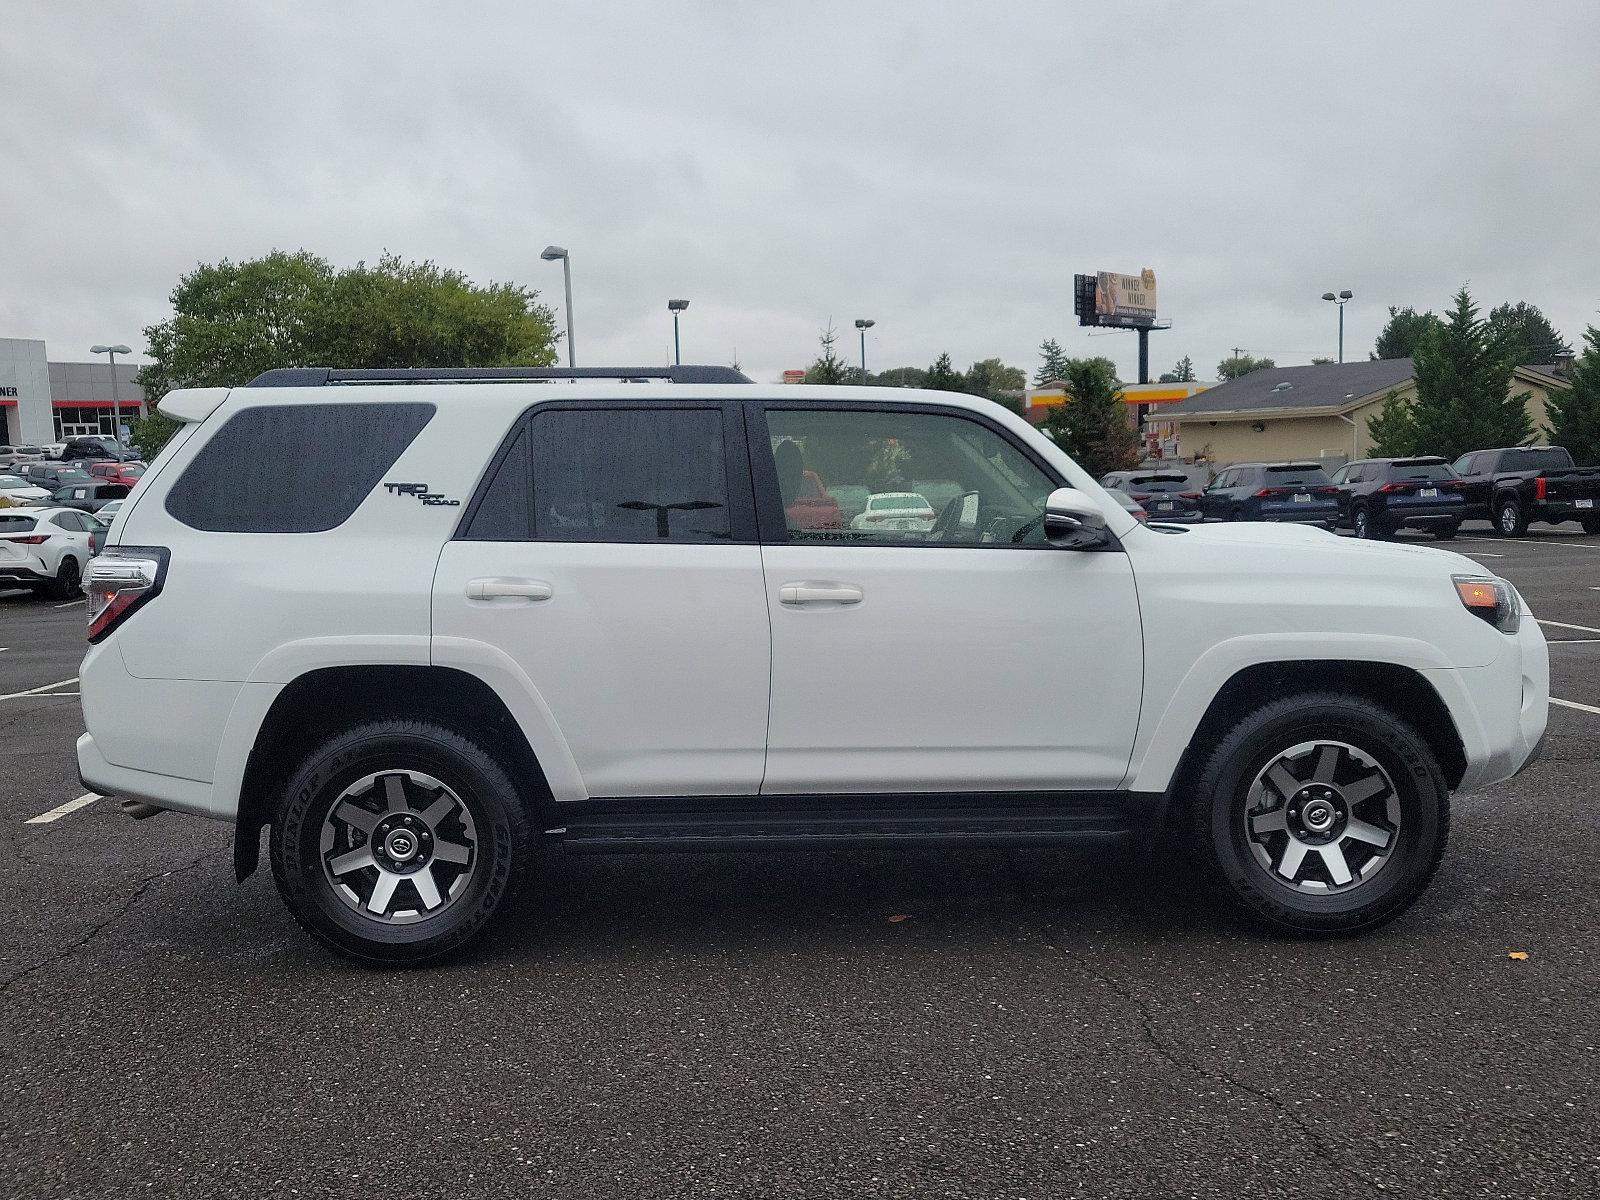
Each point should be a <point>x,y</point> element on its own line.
<point>332,376</point>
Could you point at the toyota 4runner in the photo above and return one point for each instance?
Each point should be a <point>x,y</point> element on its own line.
<point>476,613</point>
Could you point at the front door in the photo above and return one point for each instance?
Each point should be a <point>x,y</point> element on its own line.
<point>613,557</point>
<point>926,637</point>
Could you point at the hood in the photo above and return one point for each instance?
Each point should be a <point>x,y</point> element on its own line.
<point>1270,534</point>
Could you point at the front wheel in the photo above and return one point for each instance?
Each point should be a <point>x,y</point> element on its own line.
<point>1321,814</point>
<point>399,842</point>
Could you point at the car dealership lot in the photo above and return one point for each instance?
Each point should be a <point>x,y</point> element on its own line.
<point>1036,1025</point>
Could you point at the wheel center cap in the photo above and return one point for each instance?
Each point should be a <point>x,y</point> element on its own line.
<point>401,844</point>
<point>1318,815</point>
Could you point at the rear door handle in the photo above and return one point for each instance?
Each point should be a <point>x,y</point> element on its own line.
<point>812,592</point>
<point>497,588</point>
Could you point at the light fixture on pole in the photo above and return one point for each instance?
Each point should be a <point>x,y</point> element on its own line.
<point>116,401</point>
<point>550,254</point>
<point>1341,300</point>
<point>863,325</point>
<point>675,307</point>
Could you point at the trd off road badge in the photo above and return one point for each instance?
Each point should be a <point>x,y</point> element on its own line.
<point>421,492</point>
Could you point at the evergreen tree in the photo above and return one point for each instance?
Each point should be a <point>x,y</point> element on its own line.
<point>1093,426</point>
<point>1526,333</point>
<point>1575,409</point>
<point>828,367</point>
<point>1053,367</point>
<point>1404,333</point>
<point>1393,430</point>
<point>943,377</point>
<point>1463,376</point>
<point>1182,371</point>
<point>992,379</point>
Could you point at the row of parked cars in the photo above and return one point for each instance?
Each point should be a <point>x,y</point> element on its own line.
<point>1511,487</point>
<point>55,512</point>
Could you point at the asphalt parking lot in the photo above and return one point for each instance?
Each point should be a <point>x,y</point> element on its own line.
<point>957,1024</point>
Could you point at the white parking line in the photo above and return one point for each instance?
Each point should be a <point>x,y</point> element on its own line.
<point>1484,554</point>
<point>62,810</point>
<point>68,604</point>
<point>1588,708</point>
<point>1534,542</point>
<point>1564,625</point>
<point>42,688</point>
<point>1573,642</point>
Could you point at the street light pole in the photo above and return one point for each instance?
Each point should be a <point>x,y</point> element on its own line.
<point>675,307</point>
<point>1341,300</point>
<point>550,254</point>
<point>116,400</point>
<point>863,324</point>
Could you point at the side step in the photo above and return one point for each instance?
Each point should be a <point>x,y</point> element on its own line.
<point>686,823</point>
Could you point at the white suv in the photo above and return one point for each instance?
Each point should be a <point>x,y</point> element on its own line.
<point>479,612</point>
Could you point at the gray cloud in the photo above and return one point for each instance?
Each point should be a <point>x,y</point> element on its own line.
<point>942,168</point>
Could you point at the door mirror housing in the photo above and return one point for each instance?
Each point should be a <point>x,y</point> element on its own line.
<point>1072,521</point>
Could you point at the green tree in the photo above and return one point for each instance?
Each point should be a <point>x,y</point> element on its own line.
<point>1403,333</point>
<point>1393,430</point>
<point>943,377</point>
<point>913,377</point>
<point>231,321</point>
<point>992,379</point>
<point>1321,362</point>
<point>1053,363</point>
<point>1093,425</point>
<point>1182,371</point>
<point>1575,409</point>
<point>1241,365</point>
<point>1464,399</point>
<point>828,367</point>
<point>1526,333</point>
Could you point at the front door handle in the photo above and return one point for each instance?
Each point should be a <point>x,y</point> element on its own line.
<point>498,588</point>
<point>812,592</point>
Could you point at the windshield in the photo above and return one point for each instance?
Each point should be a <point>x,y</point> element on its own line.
<point>1307,474</point>
<point>12,481</point>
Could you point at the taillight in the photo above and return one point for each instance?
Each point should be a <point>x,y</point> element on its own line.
<point>33,539</point>
<point>1263,493</point>
<point>1190,495</point>
<point>1538,488</point>
<point>1391,487</point>
<point>1328,491</point>
<point>1141,497</point>
<point>119,581</point>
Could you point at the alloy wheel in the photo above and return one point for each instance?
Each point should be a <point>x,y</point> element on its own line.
<point>1322,817</point>
<point>398,847</point>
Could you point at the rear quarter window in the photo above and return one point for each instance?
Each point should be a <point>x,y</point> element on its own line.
<point>242,482</point>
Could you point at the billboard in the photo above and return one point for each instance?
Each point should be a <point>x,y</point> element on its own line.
<point>1125,297</point>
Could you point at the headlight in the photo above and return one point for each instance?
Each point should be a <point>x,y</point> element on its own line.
<point>1493,599</point>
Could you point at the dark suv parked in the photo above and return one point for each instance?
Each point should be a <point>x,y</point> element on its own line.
<point>1293,491</point>
<point>1378,496</point>
<point>1164,495</point>
<point>96,449</point>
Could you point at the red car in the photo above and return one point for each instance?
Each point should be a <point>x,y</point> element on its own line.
<point>127,474</point>
<point>813,507</point>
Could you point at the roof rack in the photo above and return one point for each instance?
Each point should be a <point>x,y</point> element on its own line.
<point>334,376</point>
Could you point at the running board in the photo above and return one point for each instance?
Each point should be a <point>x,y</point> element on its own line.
<point>687,823</point>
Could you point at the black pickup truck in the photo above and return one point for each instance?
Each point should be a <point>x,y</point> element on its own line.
<point>1514,486</point>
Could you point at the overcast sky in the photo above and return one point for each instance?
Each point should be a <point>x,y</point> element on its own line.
<point>942,168</point>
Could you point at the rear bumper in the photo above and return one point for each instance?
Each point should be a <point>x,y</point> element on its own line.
<point>24,572</point>
<point>163,791</point>
<point>1427,515</point>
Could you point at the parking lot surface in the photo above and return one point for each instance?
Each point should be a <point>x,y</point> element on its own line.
<point>952,1024</point>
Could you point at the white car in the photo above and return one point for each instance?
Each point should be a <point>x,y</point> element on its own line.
<point>108,511</point>
<point>896,512</point>
<point>46,549</point>
<point>19,491</point>
<point>54,450</point>
<point>520,615</point>
<point>16,456</point>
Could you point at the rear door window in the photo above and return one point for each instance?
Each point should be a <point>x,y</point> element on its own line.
<point>241,482</point>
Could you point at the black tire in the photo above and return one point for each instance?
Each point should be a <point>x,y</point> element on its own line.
<point>1509,519</point>
<point>1591,525</point>
<point>501,848</point>
<point>1443,533</point>
<point>1216,824</point>
<point>68,583</point>
<point>1366,526</point>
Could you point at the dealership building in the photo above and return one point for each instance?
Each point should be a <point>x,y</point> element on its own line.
<point>43,401</point>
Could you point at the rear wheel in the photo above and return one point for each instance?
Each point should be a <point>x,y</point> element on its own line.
<point>1321,814</point>
<point>399,842</point>
<point>1509,518</point>
<point>69,580</point>
<point>1591,525</point>
<point>1365,524</point>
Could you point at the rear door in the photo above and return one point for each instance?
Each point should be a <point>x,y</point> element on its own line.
<point>611,553</point>
<point>970,656</point>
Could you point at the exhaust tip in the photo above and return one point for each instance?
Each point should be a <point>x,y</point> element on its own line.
<point>140,811</point>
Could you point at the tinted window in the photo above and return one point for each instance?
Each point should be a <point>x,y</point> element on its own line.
<point>903,477</point>
<point>625,474</point>
<point>505,510</point>
<point>1535,459</point>
<point>10,523</point>
<point>241,482</point>
<point>1158,483</point>
<point>1420,470</point>
<point>1296,474</point>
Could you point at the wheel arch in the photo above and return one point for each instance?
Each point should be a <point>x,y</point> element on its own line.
<point>1395,686</point>
<point>317,704</point>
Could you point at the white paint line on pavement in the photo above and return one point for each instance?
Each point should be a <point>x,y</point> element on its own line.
<point>1588,708</point>
<point>1564,625</point>
<point>1534,542</point>
<point>68,604</point>
<point>62,810</point>
<point>1573,642</point>
<point>43,688</point>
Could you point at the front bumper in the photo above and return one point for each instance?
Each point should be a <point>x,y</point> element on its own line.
<point>1500,710</point>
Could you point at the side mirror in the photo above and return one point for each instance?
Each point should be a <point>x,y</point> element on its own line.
<point>1072,521</point>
